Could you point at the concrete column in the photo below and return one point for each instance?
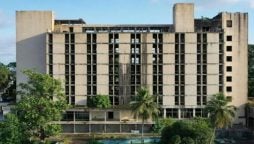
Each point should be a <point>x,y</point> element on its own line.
<point>194,112</point>
<point>164,113</point>
<point>90,116</point>
<point>179,113</point>
<point>74,120</point>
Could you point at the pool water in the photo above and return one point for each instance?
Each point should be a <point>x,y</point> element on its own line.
<point>130,141</point>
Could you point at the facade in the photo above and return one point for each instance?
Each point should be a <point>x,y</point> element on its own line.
<point>182,64</point>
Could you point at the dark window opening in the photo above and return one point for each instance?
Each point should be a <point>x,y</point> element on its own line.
<point>229,98</point>
<point>229,79</point>
<point>229,23</point>
<point>229,68</point>
<point>71,29</point>
<point>229,58</point>
<point>229,89</point>
<point>229,38</point>
<point>110,115</point>
<point>229,48</point>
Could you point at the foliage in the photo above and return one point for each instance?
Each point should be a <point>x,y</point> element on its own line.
<point>197,129</point>
<point>220,113</point>
<point>162,123</point>
<point>99,101</point>
<point>9,87</point>
<point>94,142</point>
<point>4,76</point>
<point>187,140</point>
<point>144,106</point>
<point>37,109</point>
<point>10,130</point>
<point>251,70</point>
<point>176,139</point>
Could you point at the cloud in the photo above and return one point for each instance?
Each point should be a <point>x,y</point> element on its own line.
<point>7,49</point>
<point>251,3</point>
<point>229,1</point>
<point>6,20</point>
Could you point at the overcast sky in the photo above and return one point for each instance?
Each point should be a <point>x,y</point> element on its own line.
<point>111,12</point>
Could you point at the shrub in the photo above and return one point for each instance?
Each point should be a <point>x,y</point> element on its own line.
<point>198,130</point>
<point>98,101</point>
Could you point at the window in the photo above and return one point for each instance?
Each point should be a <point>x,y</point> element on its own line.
<point>229,48</point>
<point>229,98</point>
<point>198,100</point>
<point>220,48</point>
<point>176,100</point>
<point>229,38</point>
<point>229,89</point>
<point>229,58</point>
<point>229,23</point>
<point>72,38</point>
<point>229,79</point>
<point>229,68</point>
<point>199,37</point>
<point>221,37</point>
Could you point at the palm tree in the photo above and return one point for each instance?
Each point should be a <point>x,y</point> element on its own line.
<point>220,113</point>
<point>144,106</point>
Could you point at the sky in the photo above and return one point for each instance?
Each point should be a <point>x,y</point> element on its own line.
<point>111,12</point>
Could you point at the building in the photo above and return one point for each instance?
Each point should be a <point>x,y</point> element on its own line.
<point>182,64</point>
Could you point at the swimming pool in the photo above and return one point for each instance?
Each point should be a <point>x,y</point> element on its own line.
<point>129,141</point>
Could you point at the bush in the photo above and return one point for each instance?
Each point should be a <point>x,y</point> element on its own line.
<point>176,139</point>
<point>162,123</point>
<point>99,101</point>
<point>187,140</point>
<point>198,130</point>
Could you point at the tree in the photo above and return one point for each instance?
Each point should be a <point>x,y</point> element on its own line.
<point>197,129</point>
<point>144,106</point>
<point>4,76</point>
<point>187,140</point>
<point>10,86</point>
<point>10,130</point>
<point>42,102</point>
<point>99,101</point>
<point>220,113</point>
<point>162,123</point>
<point>176,139</point>
<point>251,70</point>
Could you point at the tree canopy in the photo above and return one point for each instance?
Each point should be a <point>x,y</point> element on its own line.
<point>221,114</point>
<point>99,101</point>
<point>197,130</point>
<point>251,70</point>
<point>144,106</point>
<point>42,102</point>
<point>10,130</point>
<point>4,76</point>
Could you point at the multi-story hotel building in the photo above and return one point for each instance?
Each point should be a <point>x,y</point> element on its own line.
<point>182,64</point>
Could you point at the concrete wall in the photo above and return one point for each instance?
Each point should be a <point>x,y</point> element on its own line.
<point>102,64</point>
<point>31,28</point>
<point>239,43</point>
<point>183,17</point>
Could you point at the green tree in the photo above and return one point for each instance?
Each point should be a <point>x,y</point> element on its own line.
<point>10,130</point>
<point>251,70</point>
<point>42,102</point>
<point>187,140</point>
<point>144,106</point>
<point>197,129</point>
<point>220,113</point>
<point>176,139</point>
<point>4,76</point>
<point>99,101</point>
<point>162,123</point>
<point>10,86</point>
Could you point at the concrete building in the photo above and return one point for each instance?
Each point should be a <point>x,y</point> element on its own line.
<point>183,64</point>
